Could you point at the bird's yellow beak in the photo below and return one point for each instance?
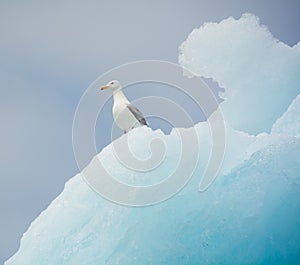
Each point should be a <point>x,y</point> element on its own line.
<point>104,87</point>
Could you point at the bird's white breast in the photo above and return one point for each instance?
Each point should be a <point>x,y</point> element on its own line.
<point>123,117</point>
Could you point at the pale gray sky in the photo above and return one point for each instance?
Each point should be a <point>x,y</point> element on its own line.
<point>50,51</point>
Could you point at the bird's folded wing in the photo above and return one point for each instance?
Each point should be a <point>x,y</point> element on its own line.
<point>137,114</point>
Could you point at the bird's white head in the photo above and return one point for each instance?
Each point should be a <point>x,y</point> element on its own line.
<point>114,85</point>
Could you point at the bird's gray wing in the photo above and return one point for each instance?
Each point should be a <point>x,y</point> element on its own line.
<point>137,114</point>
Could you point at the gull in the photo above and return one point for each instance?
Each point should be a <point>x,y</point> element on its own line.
<point>125,114</point>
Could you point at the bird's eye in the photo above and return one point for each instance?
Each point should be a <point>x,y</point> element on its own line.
<point>112,83</point>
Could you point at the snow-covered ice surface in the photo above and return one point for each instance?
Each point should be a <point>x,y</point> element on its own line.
<point>289,124</point>
<point>249,215</point>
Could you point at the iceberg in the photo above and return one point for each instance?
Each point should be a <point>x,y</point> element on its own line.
<point>260,75</point>
<point>250,213</point>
